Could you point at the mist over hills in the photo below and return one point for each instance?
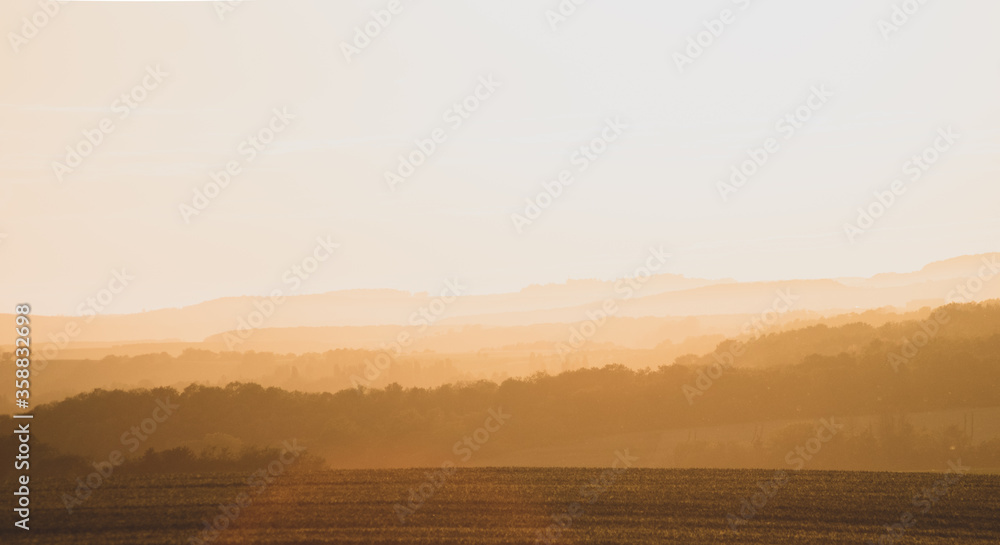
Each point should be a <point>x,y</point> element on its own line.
<point>909,385</point>
<point>745,411</point>
<point>664,307</point>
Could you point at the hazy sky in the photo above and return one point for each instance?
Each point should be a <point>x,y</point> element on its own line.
<point>324,173</point>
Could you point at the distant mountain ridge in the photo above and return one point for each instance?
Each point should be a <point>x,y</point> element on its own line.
<point>664,295</point>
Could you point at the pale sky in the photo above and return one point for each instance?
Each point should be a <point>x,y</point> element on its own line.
<point>324,173</point>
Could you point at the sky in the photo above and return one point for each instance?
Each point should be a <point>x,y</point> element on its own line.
<point>210,77</point>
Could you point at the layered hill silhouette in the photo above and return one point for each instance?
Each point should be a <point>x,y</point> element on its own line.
<point>664,308</point>
<point>749,410</point>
